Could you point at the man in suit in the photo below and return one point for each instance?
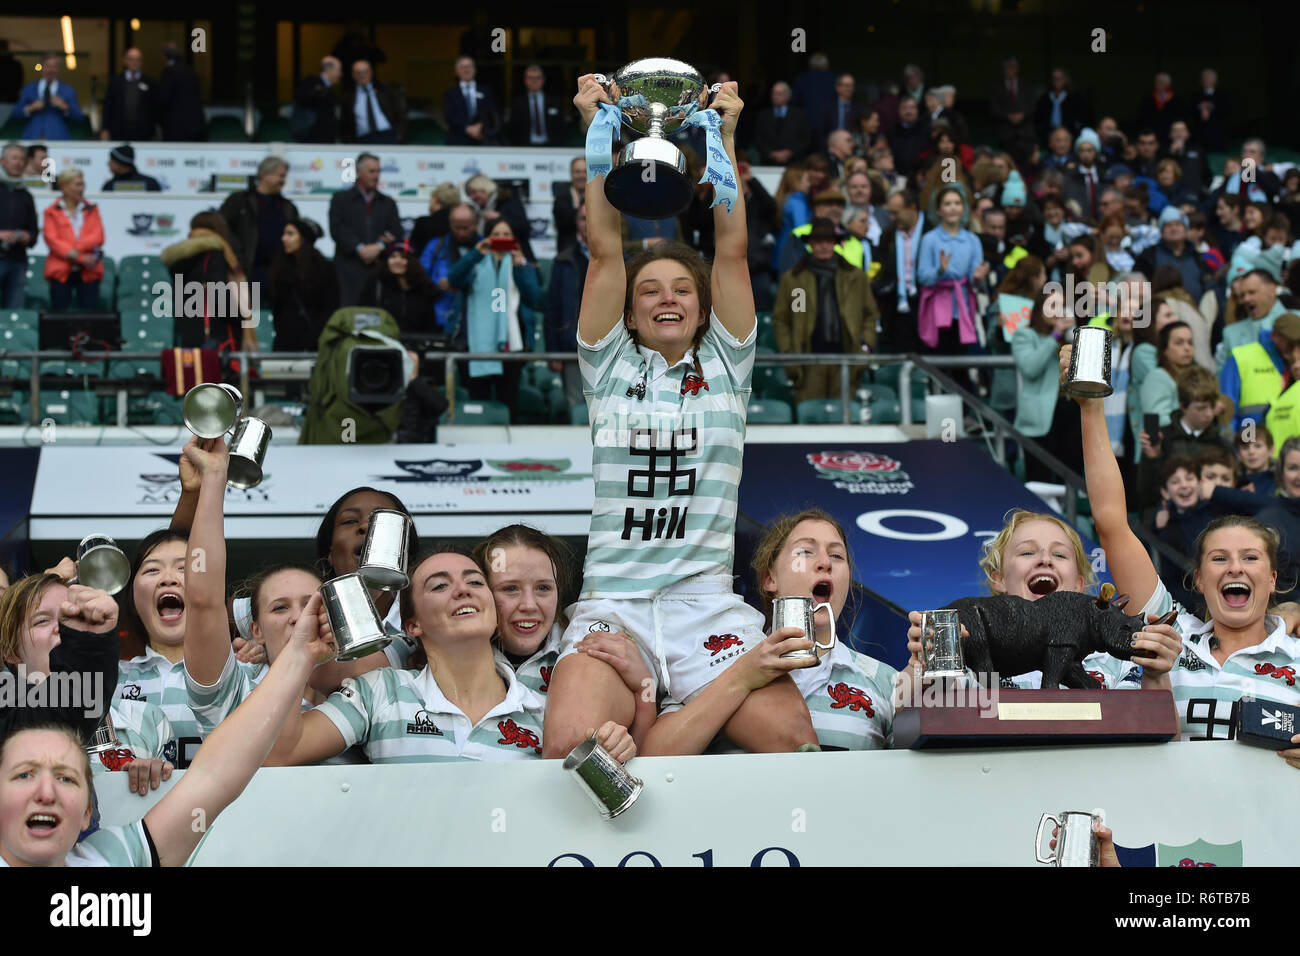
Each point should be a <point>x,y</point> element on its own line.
<point>1009,105</point>
<point>563,302</point>
<point>568,197</point>
<point>121,163</point>
<point>180,100</point>
<point>316,106</point>
<point>898,291</point>
<point>129,108</point>
<point>1085,181</point>
<point>469,109</point>
<point>814,91</point>
<point>48,104</point>
<point>362,221</point>
<point>781,133</point>
<point>839,149</point>
<point>909,137</point>
<point>1161,107</point>
<point>843,113</point>
<point>19,227</point>
<point>372,112</point>
<point>1212,112</point>
<point>1060,106</point>
<point>537,119</point>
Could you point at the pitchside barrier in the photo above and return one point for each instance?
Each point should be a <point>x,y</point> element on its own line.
<point>1176,804</point>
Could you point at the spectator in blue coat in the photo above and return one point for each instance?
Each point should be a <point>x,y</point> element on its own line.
<point>48,104</point>
<point>442,254</point>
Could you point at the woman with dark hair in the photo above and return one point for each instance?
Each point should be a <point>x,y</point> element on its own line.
<point>1088,263</point>
<point>1175,351</point>
<point>950,263</point>
<point>399,285</point>
<point>304,288</point>
<point>207,255</point>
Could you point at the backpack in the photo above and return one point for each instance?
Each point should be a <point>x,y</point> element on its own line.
<point>328,404</point>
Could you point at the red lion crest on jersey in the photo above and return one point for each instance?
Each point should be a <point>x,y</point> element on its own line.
<point>853,698</point>
<point>522,737</point>
<point>1281,673</point>
<point>546,679</point>
<point>116,759</point>
<point>693,383</point>
<point>720,642</point>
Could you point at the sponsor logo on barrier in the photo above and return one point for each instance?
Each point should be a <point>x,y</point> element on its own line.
<point>862,472</point>
<point>450,470</point>
<point>152,224</point>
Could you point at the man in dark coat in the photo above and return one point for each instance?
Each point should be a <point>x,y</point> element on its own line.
<point>316,105</point>
<point>121,163</point>
<point>1009,105</point>
<point>1161,107</point>
<point>1061,106</point>
<point>257,218</point>
<point>909,137</point>
<point>371,112</point>
<point>568,197</point>
<point>1211,113</point>
<point>180,100</point>
<point>130,110</point>
<point>536,118</point>
<point>469,109</point>
<point>19,227</point>
<point>362,221</point>
<point>781,133</point>
<point>563,302</point>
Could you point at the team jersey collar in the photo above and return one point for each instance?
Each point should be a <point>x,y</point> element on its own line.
<point>658,365</point>
<point>152,657</point>
<point>518,697</point>
<point>1200,638</point>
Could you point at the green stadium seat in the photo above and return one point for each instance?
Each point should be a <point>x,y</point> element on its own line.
<point>480,413</point>
<point>530,407</point>
<point>156,408</point>
<point>826,412</point>
<point>425,132</point>
<point>38,287</point>
<point>885,409</point>
<point>578,415</point>
<point>766,331</point>
<point>20,319</point>
<point>273,129</point>
<point>891,374</point>
<point>226,129</point>
<point>144,331</point>
<point>769,411</point>
<point>771,381</point>
<point>15,409</point>
<point>69,407</point>
<point>918,411</point>
<point>17,340</point>
<point>544,267</point>
<point>462,394</point>
<point>557,407</point>
<point>107,285</point>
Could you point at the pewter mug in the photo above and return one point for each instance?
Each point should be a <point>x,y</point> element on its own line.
<point>247,453</point>
<point>941,653</point>
<point>1089,374</point>
<point>1076,843</point>
<point>801,612</point>
<point>383,556</point>
<point>105,737</point>
<point>210,409</point>
<point>358,630</point>
<point>602,778</point>
<point>101,564</point>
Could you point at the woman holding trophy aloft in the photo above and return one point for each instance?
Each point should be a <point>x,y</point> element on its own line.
<point>666,349</point>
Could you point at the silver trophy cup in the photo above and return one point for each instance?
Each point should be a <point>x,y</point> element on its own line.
<point>105,737</point>
<point>210,409</point>
<point>1076,844</point>
<point>602,778</point>
<point>801,612</point>
<point>247,453</point>
<point>941,654</point>
<point>1089,374</point>
<point>358,631</point>
<point>101,564</point>
<point>648,179</point>
<point>383,556</point>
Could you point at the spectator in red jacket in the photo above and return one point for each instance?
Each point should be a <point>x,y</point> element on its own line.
<point>75,236</point>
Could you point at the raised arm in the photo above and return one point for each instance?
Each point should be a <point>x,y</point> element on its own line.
<point>733,296</point>
<point>1129,563</point>
<point>602,297</point>
<point>207,629</point>
<point>231,755</point>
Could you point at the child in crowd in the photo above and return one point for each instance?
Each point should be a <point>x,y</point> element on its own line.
<point>1191,429</point>
<point>1254,447</point>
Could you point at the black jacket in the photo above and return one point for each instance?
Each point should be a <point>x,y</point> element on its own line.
<point>555,121</point>
<point>427,228</point>
<point>350,226</point>
<point>18,211</point>
<point>201,259</point>
<point>565,215</point>
<point>133,182</point>
<point>412,308</point>
<point>564,300</point>
<point>390,102</point>
<point>1283,513</point>
<point>511,208</point>
<point>302,302</point>
<point>77,652</point>
<point>1075,114</point>
<point>313,99</point>
<point>789,132</point>
<point>180,104</point>
<point>240,212</point>
<point>144,123</point>
<point>908,144</point>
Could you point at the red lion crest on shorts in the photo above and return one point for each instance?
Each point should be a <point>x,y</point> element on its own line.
<point>1188,861</point>
<point>853,698</point>
<point>546,679</point>
<point>522,737</point>
<point>720,642</point>
<point>116,759</point>
<point>1281,673</point>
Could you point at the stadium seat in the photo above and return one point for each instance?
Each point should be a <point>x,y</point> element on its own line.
<point>226,129</point>
<point>265,331</point>
<point>107,290</point>
<point>557,407</point>
<point>530,407</point>
<point>20,319</point>
<point>17,340</point>
<point>771,381</point>
<point>462,395</point>
<point>156,408</point>
<point>818,411</point>
<point>885,409</point>
<point>480,413</point>
<point>891,374</point>
<point>425,132</point>
<point>136,276</point>
<point>15,409</point>
<point>273,129</point>
<point>766,331</point>
<point>578,415</point>
<point>69,407</point>
<point>918,411</point>
<point>142,331</point>
<point>544,267</point>
<point>769,411</point>
<point>38,287</point>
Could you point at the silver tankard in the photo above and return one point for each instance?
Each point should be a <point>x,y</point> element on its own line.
<point>801,612</point>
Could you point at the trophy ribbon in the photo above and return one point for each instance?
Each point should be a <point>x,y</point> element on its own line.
<point>600,140</point>
<point>718,169</point>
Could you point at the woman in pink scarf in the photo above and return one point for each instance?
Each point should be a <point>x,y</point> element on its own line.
<point>951,261</point>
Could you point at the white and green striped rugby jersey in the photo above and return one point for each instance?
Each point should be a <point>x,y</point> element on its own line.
<point>111,846</point>
<point>152,678</point>
<point>850,698</point>
<point>142,728</point>
<point>666,465</point>
<point>403,717</point>
<point>1205,690</point>
<point>212,705</point>
<point>535,673</point>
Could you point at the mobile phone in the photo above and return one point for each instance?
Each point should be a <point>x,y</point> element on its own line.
<point>1151,425</point>
<point>502,244</point>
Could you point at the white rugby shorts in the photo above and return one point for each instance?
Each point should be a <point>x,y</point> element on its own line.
<point>687,634</point>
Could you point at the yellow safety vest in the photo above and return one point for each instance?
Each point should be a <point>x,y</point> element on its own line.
<point>1015,255</point>
<point>1261,382</point>
<point>850,249</point>
<point>1283,418</point>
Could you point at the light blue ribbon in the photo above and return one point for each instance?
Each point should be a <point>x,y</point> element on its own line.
<point>600,140</point>
<point>718,169</point>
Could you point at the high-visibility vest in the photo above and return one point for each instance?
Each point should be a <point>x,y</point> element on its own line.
<point>1283,418</point>
<point>1015,255</point>
<point>1261,382</point>
<point>850,249</point>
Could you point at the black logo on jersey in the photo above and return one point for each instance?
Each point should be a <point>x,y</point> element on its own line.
<point>599,626</point>
<point>132,692</point>
<point>1191,662</point>
<point>1208,717</point>
<point>671,523</point>
<point>644,443</point>
<point>424,725</point>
